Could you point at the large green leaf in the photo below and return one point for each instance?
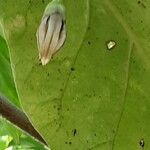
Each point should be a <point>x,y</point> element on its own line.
<point>87,97</point>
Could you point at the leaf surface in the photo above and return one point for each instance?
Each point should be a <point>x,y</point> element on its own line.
<point>87,97</point>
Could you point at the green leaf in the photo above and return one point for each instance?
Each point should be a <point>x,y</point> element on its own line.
<point>87,97</point>
<point>7,89</point>
<point>4,141</point>
<point>26,143</point>
<point>8,130</point>
<point>7,86</point>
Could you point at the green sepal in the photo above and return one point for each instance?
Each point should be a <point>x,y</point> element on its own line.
<point>53,7</point>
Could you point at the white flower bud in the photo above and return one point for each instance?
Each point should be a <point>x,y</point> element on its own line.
<point>51,33</point>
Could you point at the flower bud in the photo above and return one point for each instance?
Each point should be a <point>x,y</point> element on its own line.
<point>51,33</point>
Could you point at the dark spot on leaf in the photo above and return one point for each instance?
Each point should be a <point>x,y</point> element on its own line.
<point>48,74</point>
<point>66,142</point>
<point>133,61</point>
<point>142,143</point>
<point>89,28</point>
<point>70,143</point>
<point>87,141</point>
<point>61,90</point>
<point>43,1</point>
<point>67,109</point>
<point>139,2</point>
<point>74,132</point>
<point>58,108</point>
<point>95,134</point>
<point>72,69</point>
<point>89,42</point>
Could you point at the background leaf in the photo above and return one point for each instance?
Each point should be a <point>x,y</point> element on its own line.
<point>7,89</point>
<point>87,97</point>
<point>7,86</point>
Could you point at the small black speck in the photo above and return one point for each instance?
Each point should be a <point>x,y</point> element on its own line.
<point>139,2</point>
<point>74,132</point>
<point>95,134</point>
<point>70,143</point>
<point>133,61</point>
<point>48,74</point>
<point>43,1</point>
<point>67,109</point>
<point>58,108</point>
<point>72,69</point>
<point>61,90</point>
<point>89,42</point>
<point>66,142</point>
<point>142,143</point>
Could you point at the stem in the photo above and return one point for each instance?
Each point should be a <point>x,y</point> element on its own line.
<point>18,118</point>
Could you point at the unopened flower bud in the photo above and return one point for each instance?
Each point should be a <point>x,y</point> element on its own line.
<point>51,33</point>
